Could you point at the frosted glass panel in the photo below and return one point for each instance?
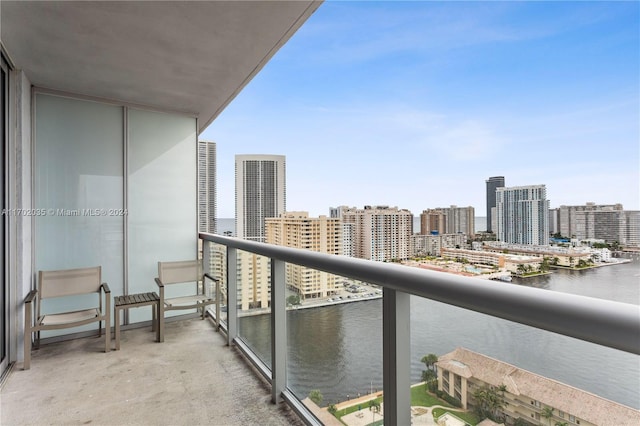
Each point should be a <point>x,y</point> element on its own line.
<point>161,197</point>
<point>79,188</point>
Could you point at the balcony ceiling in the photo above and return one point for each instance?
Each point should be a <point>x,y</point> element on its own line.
<point>184,56</point>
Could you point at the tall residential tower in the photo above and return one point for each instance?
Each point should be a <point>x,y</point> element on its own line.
<point>207,187</point>
<point>522,215</point>
<point>260,193</point>
<point>493,183</point>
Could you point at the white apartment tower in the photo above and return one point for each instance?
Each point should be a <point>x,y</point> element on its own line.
<point>522,215</point>
<point>207,187</point>
<point>381,233</point>
<point>260,193</point>
<point>298,230</point>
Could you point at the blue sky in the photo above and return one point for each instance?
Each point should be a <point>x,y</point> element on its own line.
<point>416,104</point>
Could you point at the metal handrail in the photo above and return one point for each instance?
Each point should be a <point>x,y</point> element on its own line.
<point>604,322</point>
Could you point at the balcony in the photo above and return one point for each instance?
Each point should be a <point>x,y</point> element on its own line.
<point>149,382</point>
<point>191,378</point>
<point>56,77</point>
<point>603,323</point>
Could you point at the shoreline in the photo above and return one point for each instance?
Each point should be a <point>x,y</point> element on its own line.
<point>320,303</point>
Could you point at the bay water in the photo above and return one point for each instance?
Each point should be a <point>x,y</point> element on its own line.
<point>338,349</point>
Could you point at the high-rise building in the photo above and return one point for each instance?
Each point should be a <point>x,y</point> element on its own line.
<point>207,221</point>
<point>522,215</point>
<point>381,233</point>
<point>432,222</point>
<point>493,183</point>
<point>348,229</point>
<point>448,220</point>
<point>608,222</point>
<point>298,230</point>
<point>260,193</point>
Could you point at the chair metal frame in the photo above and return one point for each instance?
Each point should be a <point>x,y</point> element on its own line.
<point>179,272</point>
<point>66,283</point>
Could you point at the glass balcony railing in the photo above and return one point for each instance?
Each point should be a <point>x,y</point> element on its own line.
<point>367,359</point>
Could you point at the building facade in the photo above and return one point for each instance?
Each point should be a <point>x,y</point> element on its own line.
<point>432,245</point>
<point>527,396</point>
<point>260,193</point>
<point>448,220</point>
<point>432,222</point>
<point>522,215</point>
<point>608,222</point>
<point>207,221</point>
<point>298,230</point>
<point>381,233</point>
<point>492,183</point>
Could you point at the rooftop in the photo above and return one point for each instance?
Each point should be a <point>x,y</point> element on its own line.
<point>550,392</point>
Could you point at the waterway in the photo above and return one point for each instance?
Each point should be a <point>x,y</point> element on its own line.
<point>338,349</point>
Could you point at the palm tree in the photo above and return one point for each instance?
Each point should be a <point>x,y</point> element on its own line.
<point>489,403</point>
<point>430,360</point>
<point>547,413</point>
<point>429,377</point>
<point>374,406</point>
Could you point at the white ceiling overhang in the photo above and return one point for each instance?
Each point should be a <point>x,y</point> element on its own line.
<point>192,57</point>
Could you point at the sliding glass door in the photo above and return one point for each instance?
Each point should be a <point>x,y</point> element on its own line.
<point>4,218</point>
<point>118,186</point>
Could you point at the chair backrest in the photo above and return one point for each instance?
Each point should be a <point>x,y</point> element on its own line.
<point>179,272</point>
<point>69,282</point>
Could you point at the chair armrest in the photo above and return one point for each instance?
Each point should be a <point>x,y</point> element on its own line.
<point>206,274</point>
<point>106,288</point>
<point>32,295</point>
<point>159,282</point>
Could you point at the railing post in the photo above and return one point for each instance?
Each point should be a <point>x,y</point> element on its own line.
<point>396,354</point>
<point>232,294</point>
<point>278,330</point>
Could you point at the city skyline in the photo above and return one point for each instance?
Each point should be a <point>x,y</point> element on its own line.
<point>417,104</point>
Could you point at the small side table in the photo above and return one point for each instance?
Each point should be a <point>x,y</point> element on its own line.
<point>136,301</point>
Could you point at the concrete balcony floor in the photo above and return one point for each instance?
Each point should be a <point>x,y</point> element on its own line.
<point>192,378</point>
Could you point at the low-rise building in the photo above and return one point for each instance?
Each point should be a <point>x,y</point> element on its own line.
<point>560,256</point>
<point>527,396</point>
<point>507,262</point>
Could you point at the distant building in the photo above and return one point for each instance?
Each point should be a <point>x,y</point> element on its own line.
<point>431,245</point>
<point>298,230</point>
<point>527,395</point>
<point>562,256</point>
<point>433,222</point>
<point>506,262</point>
<point>260,193</point>
<point>380,233</point>
<point>207,221</point>
<point>632,229</point>
<point>348,229</point>
<point>554,224</point>
<point>493,183</point>
<point>608,222</point>
<point>522,215</point>
<point>448,220</point>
